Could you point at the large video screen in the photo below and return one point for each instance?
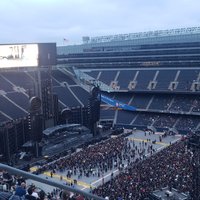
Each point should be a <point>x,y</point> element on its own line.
<point>19,55</point>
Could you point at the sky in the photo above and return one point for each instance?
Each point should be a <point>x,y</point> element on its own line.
<point>30,21</point>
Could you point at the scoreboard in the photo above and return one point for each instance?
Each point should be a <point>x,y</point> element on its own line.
<point>27,55</point>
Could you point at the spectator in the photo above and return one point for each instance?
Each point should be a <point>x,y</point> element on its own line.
<point>65,195</point>
<point>41,195</point>
<point>34,193</point>
<point>21,190</point>
<point>29,196</point>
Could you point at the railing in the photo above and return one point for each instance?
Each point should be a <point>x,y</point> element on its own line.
<point>24,174</point>
<point>90,80</point>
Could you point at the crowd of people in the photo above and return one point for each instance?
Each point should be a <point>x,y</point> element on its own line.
<point>99,159</point>
<point>165,121</point>
<point>138,174</point>
<point>94,160</point>
<point>16,188</point>
<point>169,167</point>
<point>187,124</point>
<point>182,123</point>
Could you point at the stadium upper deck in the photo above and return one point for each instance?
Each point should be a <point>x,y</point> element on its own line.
<point>123,42</point>
<point>155,62</point>
<point>173,48</point>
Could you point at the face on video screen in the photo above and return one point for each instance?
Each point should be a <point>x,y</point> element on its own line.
<point>22,55</point>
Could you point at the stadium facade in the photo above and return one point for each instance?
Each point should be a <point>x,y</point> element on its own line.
<point>157,73</point>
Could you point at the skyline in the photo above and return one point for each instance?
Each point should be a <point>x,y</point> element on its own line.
<point>52,21</point>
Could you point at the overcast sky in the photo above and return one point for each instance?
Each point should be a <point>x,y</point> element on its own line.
<point>53,20</point>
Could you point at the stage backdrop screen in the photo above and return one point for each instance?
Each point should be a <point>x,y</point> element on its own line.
<point>19,55</point>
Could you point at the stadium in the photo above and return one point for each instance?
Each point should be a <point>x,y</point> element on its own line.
<point>126,101</point>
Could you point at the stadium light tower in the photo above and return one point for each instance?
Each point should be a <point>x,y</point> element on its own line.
<point>194,146</point>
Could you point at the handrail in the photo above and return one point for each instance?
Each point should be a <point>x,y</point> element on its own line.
<point>13,170</point>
